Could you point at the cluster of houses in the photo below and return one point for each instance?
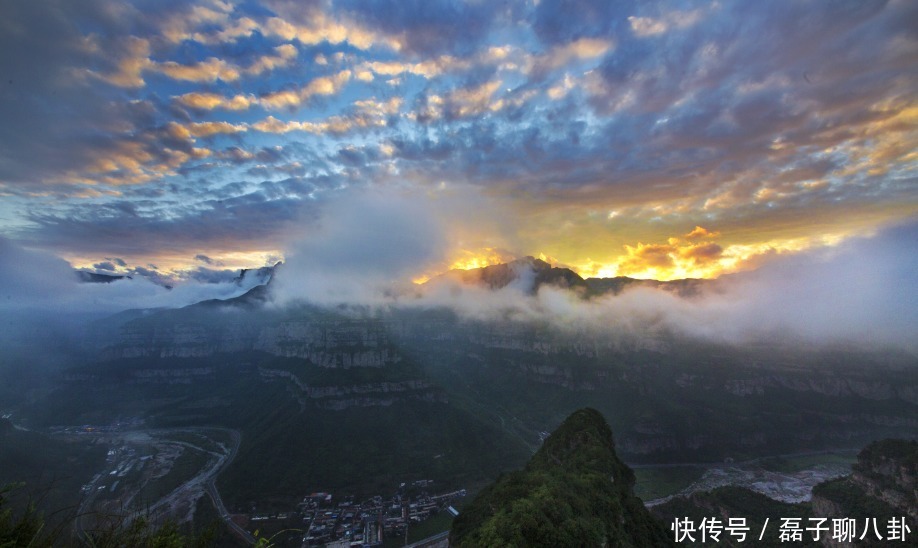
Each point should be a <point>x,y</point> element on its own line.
<point>328,522</point>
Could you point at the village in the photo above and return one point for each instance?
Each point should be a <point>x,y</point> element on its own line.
<point>140,463</point>
<point>326,521</point>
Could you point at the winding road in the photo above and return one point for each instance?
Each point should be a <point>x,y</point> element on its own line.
<point>211,489</point>
<point>204,480</point>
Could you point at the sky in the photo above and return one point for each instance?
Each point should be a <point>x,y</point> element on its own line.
<point>184,140</point>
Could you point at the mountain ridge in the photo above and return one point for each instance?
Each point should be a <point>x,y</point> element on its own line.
<point>531,274</point>
<point>528,274</point>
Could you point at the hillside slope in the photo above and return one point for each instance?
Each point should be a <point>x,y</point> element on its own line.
<point>574,492</point>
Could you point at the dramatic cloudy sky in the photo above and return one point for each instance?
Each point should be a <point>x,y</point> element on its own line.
<point>654,139</point>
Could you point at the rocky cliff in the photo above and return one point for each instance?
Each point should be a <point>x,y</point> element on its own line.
<point>883,485</point>
<point>745,400</point>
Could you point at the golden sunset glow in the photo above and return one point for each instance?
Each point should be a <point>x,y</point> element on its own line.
<point>680,258</point>
<point>465,259</point>
<point>468,260</point>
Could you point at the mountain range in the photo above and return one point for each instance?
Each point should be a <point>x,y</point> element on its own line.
<point>528,274</point>
<point>355,400</point>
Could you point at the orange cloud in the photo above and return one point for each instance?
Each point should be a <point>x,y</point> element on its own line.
<point>209,70</point>
<point>218,24</point>
<point>701,232</point>
<point>366,114</point>
<point>578,50</point>
<point>136,59</point>
<point>211,101</point>
<point>677,258</point>
<point>324,85</point>
<point>325,29</point>
<point>701,254</point>
<point>285,54</point>
<point>475,98</point>
<point>692,257</point>
<point>644,27</point>
<point>206,129</point>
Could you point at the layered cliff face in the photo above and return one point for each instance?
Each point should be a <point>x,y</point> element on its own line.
<point>325,343</point>
<point>575,491</point>
<point>338,397</point>
<point>883,485</point>
<point>296,370</point>
<point>672,399</point>
<point>888,470</point>
<point>743,400</point>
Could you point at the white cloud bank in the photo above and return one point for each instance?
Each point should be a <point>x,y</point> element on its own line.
<point>363,251</point>
<point>35,282</point>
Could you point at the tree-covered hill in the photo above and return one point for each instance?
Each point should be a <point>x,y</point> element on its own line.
<point>575,491</point>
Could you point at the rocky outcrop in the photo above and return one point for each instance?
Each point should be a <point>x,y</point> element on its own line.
<point>888,470</point>
<point>883,486</point>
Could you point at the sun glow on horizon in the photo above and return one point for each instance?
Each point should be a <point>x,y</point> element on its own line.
<point>696,254</point>
<point>681,258</point>
<point>466,259</point>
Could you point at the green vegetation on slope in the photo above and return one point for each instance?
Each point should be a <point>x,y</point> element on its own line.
<point>574,492</point>
<point>286,454</point>
<point>52,470</point>
<point>26,526</point>
<point>884,486</point>
<point>291,448</point>
<point>654,483</point>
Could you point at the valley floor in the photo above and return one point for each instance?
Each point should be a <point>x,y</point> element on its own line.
<point>787,478</point>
